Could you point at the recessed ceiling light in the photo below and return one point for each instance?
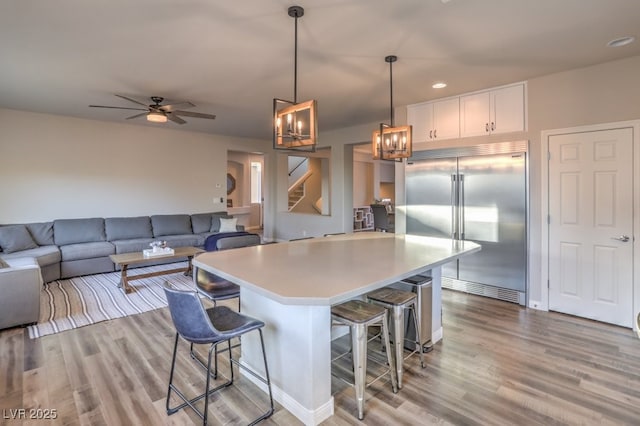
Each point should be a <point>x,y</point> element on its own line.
<point>622,41</point>
<point>440,85</point>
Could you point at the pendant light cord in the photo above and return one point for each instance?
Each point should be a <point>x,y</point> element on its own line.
<point>295,64</point>
<point>295,12</point>
<point>391,92</point>
<point>391,59</point>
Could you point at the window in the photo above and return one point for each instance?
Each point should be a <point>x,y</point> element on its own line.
<point>256,182</point>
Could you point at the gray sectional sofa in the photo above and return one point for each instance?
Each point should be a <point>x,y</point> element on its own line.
<point>66,248</point>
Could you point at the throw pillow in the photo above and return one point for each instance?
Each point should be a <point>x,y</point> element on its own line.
<point>3,264</point>
<point>215,220</point>
<point>15,238</point>
<point>228,225</point>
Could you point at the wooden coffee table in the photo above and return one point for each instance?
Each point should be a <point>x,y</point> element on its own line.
<point>126,259</point>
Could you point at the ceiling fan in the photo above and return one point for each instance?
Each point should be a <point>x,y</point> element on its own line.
<point>159,113</point>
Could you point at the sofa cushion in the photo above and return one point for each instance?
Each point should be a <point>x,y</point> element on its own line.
<point>86,250</point>
<point>76,268</point>
<point>45,255</point>
<point>125,228</point>
<point>132,245</point>
<point>200,239</point>
<point>42,233</point>
<point>215,221</point>
<point>16,238</point>
<point>72,231</point>
<point>201,222</point>
<point>185,240</point>
<point>171,224</point>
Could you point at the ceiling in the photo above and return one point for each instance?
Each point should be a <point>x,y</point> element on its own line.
<point>231,58</point>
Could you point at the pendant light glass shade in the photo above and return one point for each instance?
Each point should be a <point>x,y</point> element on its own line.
<point>391,142</point>
<point>295,126</point>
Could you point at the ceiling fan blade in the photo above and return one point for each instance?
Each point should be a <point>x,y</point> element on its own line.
<point>174,107</point>
<point>175,118</point>
<point>195,114</point>
<point>132,100</point>
<point>112,107</point>
<point>137,115</point>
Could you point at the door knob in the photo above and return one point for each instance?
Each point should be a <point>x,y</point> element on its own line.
<point>623,238</point>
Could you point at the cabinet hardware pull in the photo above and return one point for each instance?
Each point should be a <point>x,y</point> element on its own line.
<point>434,134</point>
<point>486,127</point>
<point>430,134</point>
<point>493,126</point>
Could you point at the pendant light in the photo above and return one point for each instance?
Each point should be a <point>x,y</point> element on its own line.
<point>294,124</point>
<point>390,142</point>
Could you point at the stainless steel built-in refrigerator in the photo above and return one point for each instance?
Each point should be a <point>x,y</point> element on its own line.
<point>479,194</point>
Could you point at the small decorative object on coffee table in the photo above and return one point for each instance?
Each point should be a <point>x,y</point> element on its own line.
<point>158,248</point>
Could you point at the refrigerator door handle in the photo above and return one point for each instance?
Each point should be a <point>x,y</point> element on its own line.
<point>461,205</point>
<point>454,228</point>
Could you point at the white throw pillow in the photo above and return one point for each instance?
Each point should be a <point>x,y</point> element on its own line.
<point>228,225</point>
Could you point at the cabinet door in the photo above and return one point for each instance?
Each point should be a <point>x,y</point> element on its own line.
<point>475,114</point>
<point>507,109</point>
<point>446,119</point>
<point>420,116</point>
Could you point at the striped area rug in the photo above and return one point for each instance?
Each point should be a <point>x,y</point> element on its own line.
<point>76,302</point>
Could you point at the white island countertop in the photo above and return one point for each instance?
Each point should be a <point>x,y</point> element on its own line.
<point>291,286</point>
<point>331,270</point>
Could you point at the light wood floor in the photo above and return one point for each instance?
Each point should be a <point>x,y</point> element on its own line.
<point>498,364</point>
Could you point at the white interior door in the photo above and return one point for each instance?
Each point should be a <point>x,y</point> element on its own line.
<point>591,225</point>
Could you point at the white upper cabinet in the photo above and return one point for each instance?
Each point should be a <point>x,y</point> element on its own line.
<point>435,120</point>
<point>494,111</point>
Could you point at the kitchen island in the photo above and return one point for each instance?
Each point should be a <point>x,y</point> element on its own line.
<point>291,287</point>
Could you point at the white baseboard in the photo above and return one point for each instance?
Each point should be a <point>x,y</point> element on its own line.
<point>536,304</point>
<point>437,335</point>
<point>305,415</point>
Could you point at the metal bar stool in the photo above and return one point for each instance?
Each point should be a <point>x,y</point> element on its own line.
<point>397,301</point>
<point>359,315</point>
<point>212,326</point>
<point>421,285</point>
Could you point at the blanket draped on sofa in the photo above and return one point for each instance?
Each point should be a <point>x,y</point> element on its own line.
<point>227,240</point>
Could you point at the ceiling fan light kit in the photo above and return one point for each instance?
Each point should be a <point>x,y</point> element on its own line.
<point>390,142</point>
<point>156,117</point>
<point>295,126</point>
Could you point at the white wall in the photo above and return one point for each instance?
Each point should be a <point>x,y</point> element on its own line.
<point>363,181</point>
<point>61,167</point>
<point>54,167</point>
